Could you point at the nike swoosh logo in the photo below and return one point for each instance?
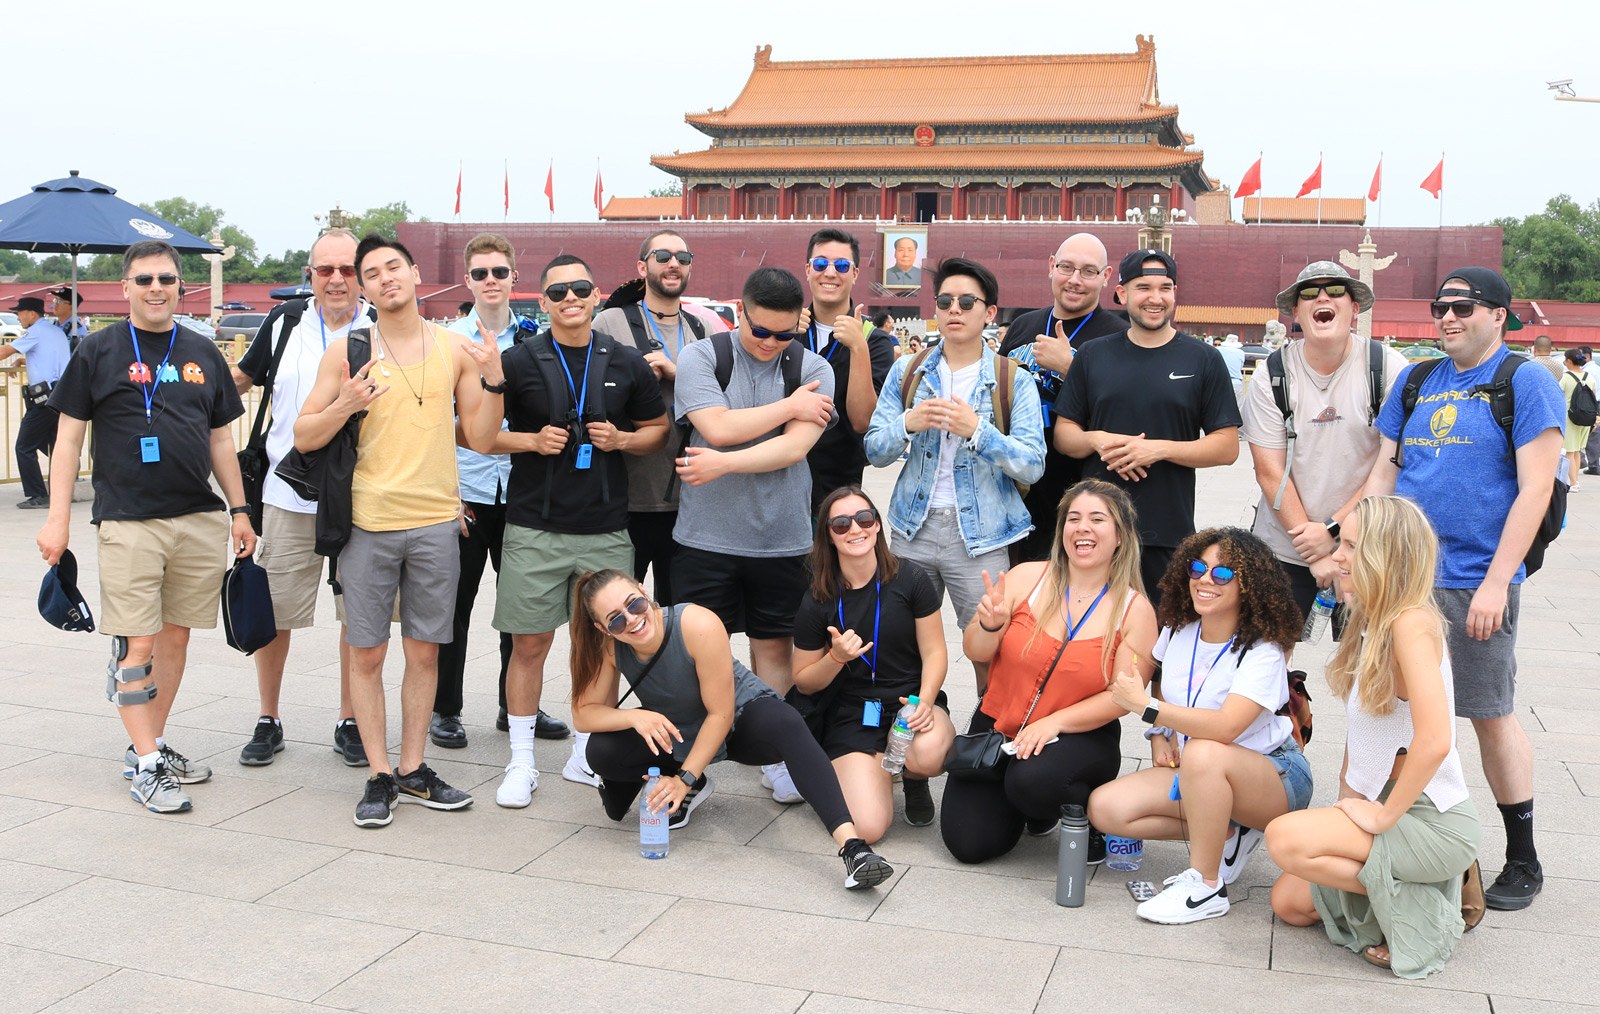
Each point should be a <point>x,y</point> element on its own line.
<point>1179,376</point>
<point>1196,903</point>
<point>1238,840</point>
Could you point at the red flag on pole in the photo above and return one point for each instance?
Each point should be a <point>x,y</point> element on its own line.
<point>508,188</point>
<point>1313,182</point>
<point>1251,184</point>
<point>550,186</point>
<point>458,188</point>
<point>1435,181</point>
<point>599,189</point>
<point>1377,181</point>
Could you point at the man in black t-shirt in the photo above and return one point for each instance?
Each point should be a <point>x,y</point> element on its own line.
<point>1147,408</point>
<point>1045,340</point>
<point>577,402</point>
<point>161,399</point>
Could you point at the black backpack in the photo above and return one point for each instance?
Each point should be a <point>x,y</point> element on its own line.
<point>1581,409</point>
<point>1503,406</point>
<point>1280,395</point>
<point>722,345</point>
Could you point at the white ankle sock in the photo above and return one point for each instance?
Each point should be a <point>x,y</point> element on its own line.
<point>580,749</point>
<point>522,739</point>
<point>147,761</point>
<point>161,741</point>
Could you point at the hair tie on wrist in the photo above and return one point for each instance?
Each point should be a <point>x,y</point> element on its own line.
<point>992,630</point>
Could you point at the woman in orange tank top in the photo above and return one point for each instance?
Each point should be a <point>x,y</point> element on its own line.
<point>1084,611</point>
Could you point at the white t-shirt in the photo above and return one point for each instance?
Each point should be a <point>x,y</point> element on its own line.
<point>958,384</point>
<point>297,375</point>
<point>1262,676</point>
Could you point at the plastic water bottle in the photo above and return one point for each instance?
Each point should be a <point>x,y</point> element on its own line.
<point>1124,854</point>
<point>900,736</point>
<point>652,823</point>
<point>1321,613</point>
<point>1072,863</point>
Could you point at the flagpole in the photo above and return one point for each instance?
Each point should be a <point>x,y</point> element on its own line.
<point>1380,189</point>
<point>1319,188</point>
<point>505,214</point>
<point>1259,156</point>
<point>1441,190</point>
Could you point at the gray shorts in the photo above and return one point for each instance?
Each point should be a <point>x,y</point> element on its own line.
<point>421,565</point>
<point>939,550</point>
<point>1485,671</point>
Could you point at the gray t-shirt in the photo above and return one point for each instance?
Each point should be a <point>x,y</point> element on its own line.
<point>764,515</point>
<point>649,475</point>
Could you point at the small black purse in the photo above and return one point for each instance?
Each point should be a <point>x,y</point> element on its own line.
<point>979,756</point>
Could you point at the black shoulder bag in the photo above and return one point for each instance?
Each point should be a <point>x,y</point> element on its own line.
<point>977,756</point>
<point>666,639</point>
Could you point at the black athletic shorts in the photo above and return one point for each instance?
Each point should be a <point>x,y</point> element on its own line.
<point>756,595</point>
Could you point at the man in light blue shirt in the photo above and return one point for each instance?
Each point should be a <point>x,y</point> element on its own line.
<point>44,345</point>
<point>491,276</point>
<point>68,317</point>
<point>1233,357</point>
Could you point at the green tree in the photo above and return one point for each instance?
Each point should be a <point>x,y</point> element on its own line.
<point>15,262</point>
<point>201,219</point>
<point>673,189</point>
<point>383,220</point>
<point>1554,254</point>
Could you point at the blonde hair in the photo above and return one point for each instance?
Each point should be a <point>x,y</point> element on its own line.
<point>1391,572</point>
<point>489,242</point>
<point>1124,578</point>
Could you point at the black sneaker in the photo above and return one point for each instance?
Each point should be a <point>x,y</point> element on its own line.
<point>1097,847</point>
<point>424,787</point>
<point>447,731</point>
<point>700,793</point>
<point>264,744</point>
<point>1516,886</point>
<point>35,503</point>
<point>862,866</point>
<point>919,801</point>
<point>347,743</point>
<point>545,727</point>
<point>1040,826</point>
<point>376,808</point>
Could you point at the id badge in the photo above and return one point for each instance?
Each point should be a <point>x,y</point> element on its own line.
<point>149,449</point>
<point>585,453</point>
<point>872,713</point>
<point>1044,413</point>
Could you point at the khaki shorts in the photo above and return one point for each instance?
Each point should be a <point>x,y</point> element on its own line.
<point>538,570</point>
<point>294,570</point>
<point>165,570</point>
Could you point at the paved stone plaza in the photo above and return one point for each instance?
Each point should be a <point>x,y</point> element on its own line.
<point>265,897</point>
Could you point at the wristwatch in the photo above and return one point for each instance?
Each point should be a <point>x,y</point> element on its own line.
<point>1151,711</point>
<point>233,511</point>
<point>499,388</point>
<point>688,779</point>
<point>1333,529</point>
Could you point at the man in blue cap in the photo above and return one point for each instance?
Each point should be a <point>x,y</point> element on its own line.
<point>44,345</point>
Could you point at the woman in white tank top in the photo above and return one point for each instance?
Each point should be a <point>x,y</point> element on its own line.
<point>1382,868</point>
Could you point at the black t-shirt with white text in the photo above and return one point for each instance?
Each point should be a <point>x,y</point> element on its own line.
<point>907,597</point>
<point>191,393</point>
<point>1179,391</point>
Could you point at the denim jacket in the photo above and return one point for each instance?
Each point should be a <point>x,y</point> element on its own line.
<point>987,467</point>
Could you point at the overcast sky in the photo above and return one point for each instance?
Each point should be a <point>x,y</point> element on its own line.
<point>274,117</point>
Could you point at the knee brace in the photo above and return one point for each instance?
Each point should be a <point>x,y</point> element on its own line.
<point>117,675</point>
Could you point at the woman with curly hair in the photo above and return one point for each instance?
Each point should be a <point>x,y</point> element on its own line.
<point>1382,868</point>
<point>1223,762</point>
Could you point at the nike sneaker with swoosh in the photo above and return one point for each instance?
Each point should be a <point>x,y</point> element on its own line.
<point>1235,852</point>
<point>1186,899</point>
<point>424,787</point>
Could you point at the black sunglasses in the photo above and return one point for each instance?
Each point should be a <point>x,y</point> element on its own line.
<point>479,274</point>
<point>820,264</point>
<point>636,606</point>
<point>327,270</point>
<point>556,292</point>
<point>867,518</point>
<point>782,336</point>
<point>143,281</point>
<point>1220,575</point>
<point>966,302</point>
<point>662,256</point>
<point>1462,308</point>
<point>1333,289</point>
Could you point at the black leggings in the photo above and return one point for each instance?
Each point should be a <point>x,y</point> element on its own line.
<point>983,820</point>
<point>769,730</point>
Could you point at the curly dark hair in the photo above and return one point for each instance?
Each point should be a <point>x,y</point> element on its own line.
<point>1266,607</point>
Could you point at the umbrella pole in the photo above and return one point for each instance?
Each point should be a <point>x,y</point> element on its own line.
<point>74,306</point>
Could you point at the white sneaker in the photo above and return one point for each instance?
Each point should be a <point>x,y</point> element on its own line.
<point>577,767</point>
<point>1186,899</point>
<point>1236,850</point>
<point>516,791</point>
<point>776,777</point>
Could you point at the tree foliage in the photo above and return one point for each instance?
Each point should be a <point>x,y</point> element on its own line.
<point>1554,254</point>
<point>382,220</point>
<point>673,189</point>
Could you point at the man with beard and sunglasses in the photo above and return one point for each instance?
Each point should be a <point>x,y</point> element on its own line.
<point>1148,407</point>
<point>659,326</point>
<point>579,403</point>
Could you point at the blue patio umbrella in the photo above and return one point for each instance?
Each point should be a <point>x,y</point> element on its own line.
<point>75,216</point>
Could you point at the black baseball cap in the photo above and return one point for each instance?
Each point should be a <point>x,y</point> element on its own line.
<point>64,294</point>
<point>1483,284</point>
<point>60,602</point>
<point>30,303</point>
<point>1132,266</point>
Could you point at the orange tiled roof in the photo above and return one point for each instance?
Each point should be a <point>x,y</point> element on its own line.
<point>640,208</point>
<point>1097,88</point>
<point>888,158</point>
<point>1225,314</point>
<point>1304,209</point>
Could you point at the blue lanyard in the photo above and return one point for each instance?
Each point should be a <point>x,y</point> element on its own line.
<point>811,340</point>
<point>150,391</point>
<point>1073,628</point>
<point>650,319</point>
<point>578,393</point>
<point>1189,697</point>
<point>877,617</point>
<point>1050,324</point>
<point>324,325</point>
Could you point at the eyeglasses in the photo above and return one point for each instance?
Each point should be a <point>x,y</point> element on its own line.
<point>636,606</point>
<point>1333,289</point>
<point>143,281</point>
<point>966,302</point>
<point>662,256</point>
<point>842,265</point>
<point>867,518</point>
<point>479,274</point>
<point>1088,271</point>
<point>1220,575</point>
<point>1462,308</point>
<point>782,336</point>
<point>556,292</point>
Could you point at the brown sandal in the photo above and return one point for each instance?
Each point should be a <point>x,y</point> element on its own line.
<point>1370,956</point>
<point>1472,903</point>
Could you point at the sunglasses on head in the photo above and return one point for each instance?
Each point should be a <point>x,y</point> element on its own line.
<point>662,256</point>
<point>143,281</point>
<point>1462,308</point>
<point>556,292</point>
<point>782,336</point>
<point>479,274</point>
<point>966,302</point>
<point>1333,289</point>
<point>327,270</point>
<point>1220,575</point>
<point>867,518</point>
<point>820,264</point>
<point>635,606</point>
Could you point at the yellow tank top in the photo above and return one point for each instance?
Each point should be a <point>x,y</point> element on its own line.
<point>405,473</point>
